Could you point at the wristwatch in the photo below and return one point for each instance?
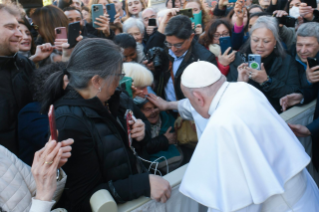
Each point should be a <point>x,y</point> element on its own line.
<point>267,82</point>
<point>58,175</point>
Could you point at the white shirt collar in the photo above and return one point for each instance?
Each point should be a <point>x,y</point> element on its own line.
<point>217,98</point>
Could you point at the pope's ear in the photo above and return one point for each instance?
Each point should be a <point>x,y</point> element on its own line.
<point>199,98</point>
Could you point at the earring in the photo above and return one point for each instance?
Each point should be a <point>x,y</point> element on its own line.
<point>99,89</point>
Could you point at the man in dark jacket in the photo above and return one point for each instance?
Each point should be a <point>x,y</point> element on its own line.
<point>14,75</point>
<point>177,35</point>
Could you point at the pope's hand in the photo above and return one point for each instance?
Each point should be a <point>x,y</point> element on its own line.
<point>158,101</point>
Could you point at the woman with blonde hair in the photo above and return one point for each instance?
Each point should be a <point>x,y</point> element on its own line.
<point>198,8</point>
<point>133,8</point>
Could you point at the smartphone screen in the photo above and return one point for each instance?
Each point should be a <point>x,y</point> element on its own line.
<point>312,62</point>
<point>54,135</point>
<point>60,33</point>
<point>152,22</point>
<point>74,32</point>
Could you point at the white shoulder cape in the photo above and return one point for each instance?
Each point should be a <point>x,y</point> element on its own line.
<point>246,153</point>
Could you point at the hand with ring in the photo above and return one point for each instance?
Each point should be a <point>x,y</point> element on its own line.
<point>243,75</point>
<point>45,164</point>
<point>258,76</point>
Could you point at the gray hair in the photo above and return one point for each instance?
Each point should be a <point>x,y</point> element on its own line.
<point>149,9</point>
<point>133,22</point>
<point>310,29</point>
<point>270,23</point>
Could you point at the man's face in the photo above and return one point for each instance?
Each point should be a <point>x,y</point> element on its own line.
<point>74,16</point>
<point>179,46</point>
<point>264,3</point>
<point>307,47</point>
<point>10,34</point>
<point>194,101</point>
<point>76,4</point>
<point>118,5</point>
<point>147,15</point>
<point>129,54</point>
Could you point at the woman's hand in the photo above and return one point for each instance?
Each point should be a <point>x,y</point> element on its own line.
<point>259,76</point>
<point>43,51</point>
<point>44,169</point>
<point>306,11</point>
<point>138,130</point>
<point>66,52</point>
<point>299,130</point>
<point>160,188</point>
<point>240,11</point>
<point>58,44</point>
<point>104,22</point>
<point>171,137</point>
<point>225,59</point>
<point>290,100</point>
<point>242,73</point>
<point>158,102</point>
<point>171,13</point>
<point>198,29</point>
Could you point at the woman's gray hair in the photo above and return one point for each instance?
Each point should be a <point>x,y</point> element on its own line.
<point>310,29</point>
<point>270,23</point>
<point>92,57</point>
<point>133,22</point>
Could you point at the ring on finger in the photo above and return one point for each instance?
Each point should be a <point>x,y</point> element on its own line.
<point>249,76</point>
<point>49,163</point>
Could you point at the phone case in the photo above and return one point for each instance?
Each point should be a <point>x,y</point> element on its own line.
<point>224,43</point>
<point>126,84</point>
<point>312,62</point>
<point>54,135</point>
<point>74,32</point>
<point>254,61</point>
<point>312,3</point>
<point>187,12</point>
<point>152,22</point>
<point>232,1</point>
<point>110,8</point>
<point>97,11</point>
<point>197,19</point>
<point>60,33</point>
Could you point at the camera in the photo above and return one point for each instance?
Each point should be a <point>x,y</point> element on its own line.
<point>58,31</point>
<point>108,7</point>
<point>155,55</point>
<point>95,8</point>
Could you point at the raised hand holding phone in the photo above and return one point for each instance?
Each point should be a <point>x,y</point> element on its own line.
<point>135,127</point>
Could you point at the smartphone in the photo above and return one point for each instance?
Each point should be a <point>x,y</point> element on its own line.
<point>110,8</point>
<point>312,62</point>
<point>97,11</point>
<point>129,116</point>
<point>54,135</point>
<point>197,19</point>
<point>288,21</point>
<point>152,22</point>
<point>74,32</point>
<point>60,33</point>
<point>254,61</point>
<point>173,3</point>
<point>187,12</point>
<point>232,1</point>
<point>126,84</point>
<point>224,43</point>
<point>312,3</point>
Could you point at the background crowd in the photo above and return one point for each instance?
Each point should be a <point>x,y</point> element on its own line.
<point>132,60</point>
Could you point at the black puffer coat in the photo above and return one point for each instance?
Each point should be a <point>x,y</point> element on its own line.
<point>101,158</point>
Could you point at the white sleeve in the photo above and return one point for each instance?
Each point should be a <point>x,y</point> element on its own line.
<point>41,206</point>
<point>184,109</point>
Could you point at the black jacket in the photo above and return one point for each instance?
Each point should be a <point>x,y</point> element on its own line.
<point>15,75</point>
<point>310,94</point>
<point>101,157</point>
<point>195,52</point>
<point>283,73</point>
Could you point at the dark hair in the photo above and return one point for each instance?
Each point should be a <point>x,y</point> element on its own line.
<point>26,23</point>
<point>259,14</point>
<point>255,6</point>
<point>72,8</point>
<point>86,9</point>
<point>179,26</point>
<point>90,57</point>
<point>39,76</point>
<point>210,30</point>
<point>125,40</point>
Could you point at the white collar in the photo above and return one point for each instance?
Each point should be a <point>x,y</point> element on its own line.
<point>217,98</point>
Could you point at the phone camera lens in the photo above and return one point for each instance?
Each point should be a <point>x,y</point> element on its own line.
<point>58,31</point>
<point>108,7</point>
<point>95,8</point>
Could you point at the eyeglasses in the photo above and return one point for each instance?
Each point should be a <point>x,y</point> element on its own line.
<point>177,45</point>
<point>36,27</point>
<point>221,35</point>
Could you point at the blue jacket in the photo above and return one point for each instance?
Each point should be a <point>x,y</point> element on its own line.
<point>33,130</point>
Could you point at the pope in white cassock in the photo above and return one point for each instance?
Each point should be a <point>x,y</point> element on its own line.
<point>247,158</point>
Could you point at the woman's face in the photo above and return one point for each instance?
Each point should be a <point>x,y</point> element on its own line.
<point>221,31</point>
<point>86,14</point>
<point>151,112</point>
<point>262,42</point>
<point>252,22</point>
<point>295,3</point>
<point>25,43</point>
<point>134,7</point>
<point>170,4</point>
<point>136,33</point>
<point>234,17</point>
<point>255,10</point>
<point>193,5</point>
<point>108,87</point>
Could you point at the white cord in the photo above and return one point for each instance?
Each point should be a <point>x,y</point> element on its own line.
<point>156,164</point>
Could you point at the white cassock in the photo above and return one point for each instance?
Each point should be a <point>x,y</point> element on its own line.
<point>247,159</point>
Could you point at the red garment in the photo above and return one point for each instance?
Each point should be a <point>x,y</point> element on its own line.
<point>223,69</point>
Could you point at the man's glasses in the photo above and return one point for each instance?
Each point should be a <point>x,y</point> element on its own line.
<point>177,45</point>
<point>36,27</point>
<point>221,35</point>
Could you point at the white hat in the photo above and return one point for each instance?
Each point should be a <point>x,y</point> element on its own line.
<point>200,74</point>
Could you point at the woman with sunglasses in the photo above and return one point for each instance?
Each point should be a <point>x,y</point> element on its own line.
<point>92,111</point>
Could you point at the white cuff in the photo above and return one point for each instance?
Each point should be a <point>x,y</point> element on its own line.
<point>41,206</point>
<point>184,109</point>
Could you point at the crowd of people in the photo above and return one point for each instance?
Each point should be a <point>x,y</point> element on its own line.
<point>132,98</point>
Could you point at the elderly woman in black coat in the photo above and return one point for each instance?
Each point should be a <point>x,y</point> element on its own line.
<point>278,74</point>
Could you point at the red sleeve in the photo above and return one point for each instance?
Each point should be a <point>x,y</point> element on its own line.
<point>223,69</point>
